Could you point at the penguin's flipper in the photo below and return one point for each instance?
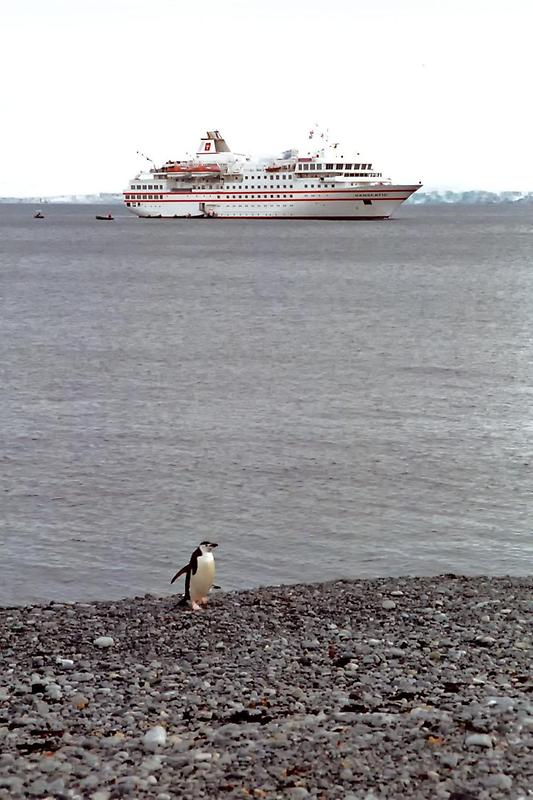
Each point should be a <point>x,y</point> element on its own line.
<point>181,572</point>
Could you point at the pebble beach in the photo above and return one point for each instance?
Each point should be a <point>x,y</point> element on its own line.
<point>357,690</point>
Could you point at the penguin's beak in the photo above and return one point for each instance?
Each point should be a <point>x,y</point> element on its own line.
<point>214,544</point>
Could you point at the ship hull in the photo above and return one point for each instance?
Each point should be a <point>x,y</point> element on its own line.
<point>362,204</point>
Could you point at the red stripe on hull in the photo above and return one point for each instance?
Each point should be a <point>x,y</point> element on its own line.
<point>280,200</point>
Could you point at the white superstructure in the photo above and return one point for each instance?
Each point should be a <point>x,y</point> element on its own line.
<point>323,184</point>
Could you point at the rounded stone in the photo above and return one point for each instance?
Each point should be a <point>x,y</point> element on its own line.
<point>478,740</point>
<point>104,641</point>
<point>154,738</point>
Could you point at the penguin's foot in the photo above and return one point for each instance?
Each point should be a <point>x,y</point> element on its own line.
<point>195,606</point>
<point>203,601</point>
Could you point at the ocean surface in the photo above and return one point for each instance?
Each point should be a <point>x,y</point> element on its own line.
<point>323,399</point>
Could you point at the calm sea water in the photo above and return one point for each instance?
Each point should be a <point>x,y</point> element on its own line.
<point>325,400</point>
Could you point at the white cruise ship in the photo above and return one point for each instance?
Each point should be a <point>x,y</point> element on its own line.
<point>323,184</point>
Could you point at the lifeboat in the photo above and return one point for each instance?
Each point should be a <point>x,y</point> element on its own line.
<point>193,169</point>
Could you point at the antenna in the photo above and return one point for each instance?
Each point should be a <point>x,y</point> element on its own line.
<point>146,157</point>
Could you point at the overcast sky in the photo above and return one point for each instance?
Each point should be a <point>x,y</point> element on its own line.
<point>431,90</point>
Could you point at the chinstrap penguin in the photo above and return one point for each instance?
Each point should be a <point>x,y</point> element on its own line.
<point>199,575</point>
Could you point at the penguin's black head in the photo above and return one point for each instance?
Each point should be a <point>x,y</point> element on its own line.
<point>207,547</point>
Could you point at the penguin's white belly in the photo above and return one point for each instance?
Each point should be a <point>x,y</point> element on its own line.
<point>203,580</point>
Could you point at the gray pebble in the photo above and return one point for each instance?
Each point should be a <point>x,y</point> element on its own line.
<point>53,691</point>
<point>499,781</point>
<point>478,740</point>
<point>37,787</point>
<point>13,783</point>
<point>104,641</point>
<point>56,787</point>
<point>155,738</point>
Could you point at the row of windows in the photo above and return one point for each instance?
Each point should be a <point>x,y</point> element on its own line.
<point>218,197</point>
<point>143,197</point>
<point>266,186</point>
<point>263,208</point>
<point>146,186</point>
<point>333,166</point>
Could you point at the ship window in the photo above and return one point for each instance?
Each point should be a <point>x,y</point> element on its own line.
<point>319,166</point>
<point>306,166</point>
<point>312,166</point>
<point>144,186</point>
<point>329,166</point>
<point>339,166</point>
<point>347,166</point>
<point>367,202</point>
<point>369,166</point>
